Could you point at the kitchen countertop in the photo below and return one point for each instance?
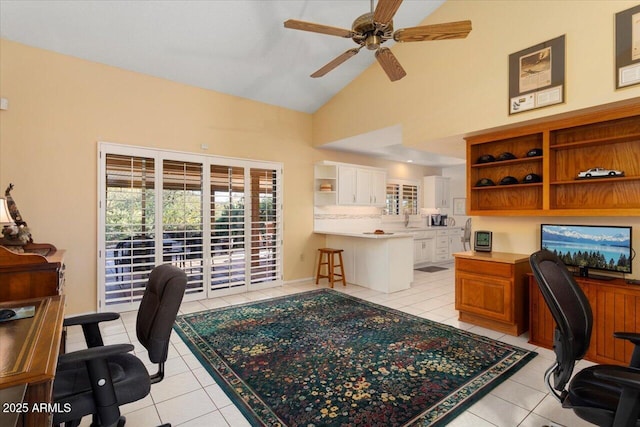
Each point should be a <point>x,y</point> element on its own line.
<point>367,235</point>
<point>390,233</point>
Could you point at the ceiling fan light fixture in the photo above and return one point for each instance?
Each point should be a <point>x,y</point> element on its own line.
<point>373,42</point>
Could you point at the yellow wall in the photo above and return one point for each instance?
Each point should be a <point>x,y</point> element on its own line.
<point>60,107</point>
<point>454,87</point>
<point>457,87</point>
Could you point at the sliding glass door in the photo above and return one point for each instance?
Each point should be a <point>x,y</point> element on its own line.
<point>230,244</point>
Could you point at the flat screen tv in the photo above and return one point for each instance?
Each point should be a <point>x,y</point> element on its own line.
<point>606,248</point>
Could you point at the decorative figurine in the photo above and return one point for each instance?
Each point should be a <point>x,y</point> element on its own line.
<point>599,173</point>
<point>19,233</point>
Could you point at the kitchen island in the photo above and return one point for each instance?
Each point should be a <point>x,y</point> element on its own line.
<point>382,262</point>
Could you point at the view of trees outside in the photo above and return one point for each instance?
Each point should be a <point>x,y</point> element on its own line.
<point>131,212</point>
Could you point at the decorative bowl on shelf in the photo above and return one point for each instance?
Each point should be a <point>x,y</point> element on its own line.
<point>326,187</point>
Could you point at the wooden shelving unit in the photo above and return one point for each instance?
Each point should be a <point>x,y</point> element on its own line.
<point>608,137</point>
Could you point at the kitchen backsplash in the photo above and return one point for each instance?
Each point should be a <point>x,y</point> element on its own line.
<point>358,219</point>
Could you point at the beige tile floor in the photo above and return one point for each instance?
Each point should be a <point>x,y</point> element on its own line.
<point>189,397</point>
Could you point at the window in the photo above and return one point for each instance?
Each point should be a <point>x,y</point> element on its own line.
<point>402,196</point>
<point>217,219</point>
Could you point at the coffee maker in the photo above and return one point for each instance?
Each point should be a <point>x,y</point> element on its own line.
<point>438,220</point>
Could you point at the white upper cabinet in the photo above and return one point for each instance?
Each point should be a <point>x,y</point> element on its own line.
<point>354,185</point>
<point>371,187</point>
<point>379,187</point>
<point>347,185</point>
<point>436,192</point>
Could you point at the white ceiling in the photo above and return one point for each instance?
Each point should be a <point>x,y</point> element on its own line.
<point>238,47</point>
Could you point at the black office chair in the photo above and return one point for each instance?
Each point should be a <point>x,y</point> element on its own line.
<point>606,395</point>
<point>99,379</point>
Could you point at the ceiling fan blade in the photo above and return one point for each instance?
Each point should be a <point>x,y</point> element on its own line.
<point>337,61</point>
<point>390,64</point>
<point>449,30</point>
<point>317,28</point>
<point>385,9</point>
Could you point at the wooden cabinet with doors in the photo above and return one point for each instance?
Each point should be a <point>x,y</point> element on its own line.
<point>606,136</point>
<point>491,290</point>
<point>37,272</point>
<point>615,306</point>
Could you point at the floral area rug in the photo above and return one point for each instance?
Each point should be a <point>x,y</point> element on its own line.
<point>323,358</point>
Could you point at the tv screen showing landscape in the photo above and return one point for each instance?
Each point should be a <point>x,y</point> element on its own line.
<point>600,247</point>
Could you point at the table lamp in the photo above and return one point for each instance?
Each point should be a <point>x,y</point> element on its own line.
<point>5,217</point>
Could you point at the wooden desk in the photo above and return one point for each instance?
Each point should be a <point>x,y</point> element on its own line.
<point>38,272</point>
<point>29,355</point>
<point>615,307</point>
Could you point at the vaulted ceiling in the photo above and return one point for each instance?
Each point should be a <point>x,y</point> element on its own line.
<point>239,47</point>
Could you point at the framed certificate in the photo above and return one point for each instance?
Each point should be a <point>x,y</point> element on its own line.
<point>628,47</point>
<point>536,76</point>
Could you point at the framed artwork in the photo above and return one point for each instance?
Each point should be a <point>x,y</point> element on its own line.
<point>628,47</point>
<point>459,206</point>
<point>536,76</point>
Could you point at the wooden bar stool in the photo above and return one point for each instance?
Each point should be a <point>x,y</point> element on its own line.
<point>331,266</point>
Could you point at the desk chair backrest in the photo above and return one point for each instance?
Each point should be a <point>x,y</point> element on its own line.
<point>466,235</point>
<point>158,310</point>
<point>570,309</point>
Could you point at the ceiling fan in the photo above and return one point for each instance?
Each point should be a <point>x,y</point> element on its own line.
<point>374,28</point>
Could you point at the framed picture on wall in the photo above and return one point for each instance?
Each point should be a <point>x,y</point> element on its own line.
<point>536,76</point>
<point>459,206</point>
<point>628,47</point>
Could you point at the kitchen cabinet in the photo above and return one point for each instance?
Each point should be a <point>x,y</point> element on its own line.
<point>437,193</point>
<point>423,247</point>
<point>492,290</point>
<point>378,262</point>
<point>370,187</point>
<point>349,185</point>
<point>455,241</point>
<point>448,242</point>
<point>442,252</point>
<point>379,187</point>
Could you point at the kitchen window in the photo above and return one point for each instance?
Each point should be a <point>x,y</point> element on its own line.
<point>402,197</point>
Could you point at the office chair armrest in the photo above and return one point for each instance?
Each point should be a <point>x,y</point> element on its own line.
<point>90,326</point>
<point>96,361</point>
<point>94,353</point>
<point>634,338</point>
<point>90,318</point>
<point>629,336</point>
<point>629,377</point>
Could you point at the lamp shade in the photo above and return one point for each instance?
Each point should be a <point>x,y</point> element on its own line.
<point>5,217</point>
